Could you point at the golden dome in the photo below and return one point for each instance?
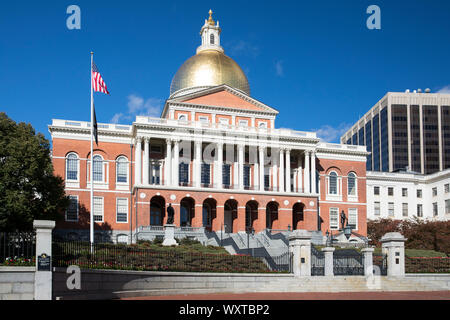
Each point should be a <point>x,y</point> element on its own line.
<point>209,68</point>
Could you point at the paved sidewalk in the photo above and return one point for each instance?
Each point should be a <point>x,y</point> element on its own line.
<point>403,295</point>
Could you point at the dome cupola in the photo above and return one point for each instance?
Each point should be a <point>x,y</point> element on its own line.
<point>210,66</point>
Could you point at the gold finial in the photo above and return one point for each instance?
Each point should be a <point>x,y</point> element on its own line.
<point>210,20</point>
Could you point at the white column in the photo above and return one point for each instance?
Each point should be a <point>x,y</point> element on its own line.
<point>138,161</point>
<point>256,182</point>
<point>275,159</point>
<point>219,182</point>
<point>261,168</point>
<point>197,163</point>
<point>281,178</point>
<point>299,175</point>
<point>307,172</point>
<point>168,163</point>
<point>288,170</point>
<point>328,253</point>
<point>146,161</point>
<point>241,166</point>
<point>313,172</point>
<point>175,163</point>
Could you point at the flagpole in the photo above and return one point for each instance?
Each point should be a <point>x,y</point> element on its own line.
<point>92,160</point>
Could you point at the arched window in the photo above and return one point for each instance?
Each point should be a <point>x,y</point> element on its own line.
<point>333,183</point>
<point>211,38</point>
<point>351,182</point>
<point>98,168</point>
<point>122,169</point>
<point>72,167</point>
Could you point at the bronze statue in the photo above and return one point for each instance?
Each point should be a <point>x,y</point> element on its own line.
<point>343,219</point>
<point>170,214</point>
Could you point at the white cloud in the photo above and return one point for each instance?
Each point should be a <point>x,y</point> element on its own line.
<point>242,47</point>
<point>279,68</point>
<point>445,89</point>
<point>139,106</point>
<point>116,118</point>
<point>328,133</point>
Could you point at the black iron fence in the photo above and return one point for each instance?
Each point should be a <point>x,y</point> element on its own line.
<point>115,256</point>
<point>17,248</point>
<point>317,262</point>
<point>279,263</point>
<point>380,264</point>
<point>348,262</point>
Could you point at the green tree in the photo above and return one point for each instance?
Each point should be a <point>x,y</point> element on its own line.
<point>28,188</point>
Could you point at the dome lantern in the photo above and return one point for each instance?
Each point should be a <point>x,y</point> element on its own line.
<point>210,66</point>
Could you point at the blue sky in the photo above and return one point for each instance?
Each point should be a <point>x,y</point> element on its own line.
<point>314,61</point>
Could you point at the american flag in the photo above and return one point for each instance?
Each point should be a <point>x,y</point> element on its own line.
<point>97,82</point>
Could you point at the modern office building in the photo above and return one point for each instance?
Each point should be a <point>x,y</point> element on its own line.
<point>405,131</point>
<point>215,155</point>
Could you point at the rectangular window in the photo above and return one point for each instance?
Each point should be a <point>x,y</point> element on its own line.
<point>246,176</point>
<point>183,174</point>
<point>334,218</point>
<point>226,175</point>
<point>419,210</point>
<point>434,191</point>
<point>404,192</point>
<point>72,210</point>
<point>155,173</point>
<point>447,188</point>
<point>155,149</point>
<point>353,218</point>
<point>435,209</point>
<point>122,210</point>
<point>447,206</point>
<point>224,121</point>
<point>376,208</point>
<point>98,209</point>
<point>243,123</point>
<point>376,191</point>
<point>405,209</point>
<point>203,119</point>
<point>419,193</point>
<point>206,174</point>
<point>390,191</point>
<point>391,209</point>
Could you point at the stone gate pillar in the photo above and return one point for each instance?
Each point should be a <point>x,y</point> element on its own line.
<point>393,245</point>
<point>368,261</point>
<point>328,252</point>
<point>43,274</point>
<point>300,246</point>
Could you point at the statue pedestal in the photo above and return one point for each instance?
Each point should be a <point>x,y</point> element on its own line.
<point>169,232</point>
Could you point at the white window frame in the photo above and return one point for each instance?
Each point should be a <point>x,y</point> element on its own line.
<point>375,208</point>
<point>334,211</point>
<point>78,208</point>
<point>447,188</point>
<point>203,119</point>
<point>421,193</point>
<point>404,194</point>
<point>117,209</point>
<point>376,188</point>
<point>434,191</point>
<point>104,184</point>
<point>354,212</point>
<point>127,170</point>
<point>447,206</point>
<point>338,195</point>
<point>391,209</point>
<point>180,115</point>
<point>405,206</point>
<point>72,183</point>
<point>353,197</point>
<point>419,205</point>
<point>103,209</point>
<point>393,191</point>
<point>243,123</point>
<point>435,206</point>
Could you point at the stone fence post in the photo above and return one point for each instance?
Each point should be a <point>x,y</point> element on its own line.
<point>328,252</point>
<point>393,245</point>
<point>368,261</point>
<point>300,247</point>
<point>43,274</point>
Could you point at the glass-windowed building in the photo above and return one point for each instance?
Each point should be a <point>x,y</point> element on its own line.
<point>405,131</point>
